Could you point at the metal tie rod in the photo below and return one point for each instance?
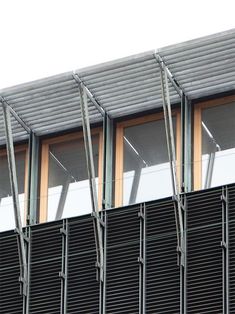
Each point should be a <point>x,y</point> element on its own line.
<point>91,176</point>
<point>172,159</point>
<point>15,196</point>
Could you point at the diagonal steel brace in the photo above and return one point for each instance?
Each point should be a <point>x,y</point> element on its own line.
<point>91,175</point>
<point>179,208</point>
<point>15,195</point>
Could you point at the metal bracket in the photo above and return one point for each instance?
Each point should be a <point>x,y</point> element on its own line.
<point>89,94</point>
<point>170,76</point>
<point>15,115</point>
<point>97,216</point>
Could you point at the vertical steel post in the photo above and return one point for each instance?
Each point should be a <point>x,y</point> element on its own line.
<point>91,176</point>
<point>183,269</point>
<point>64,267</point>
<point>142,259</point>
<point>188,166</point>
<point>225,249</point>
<point>182,144</point>
<point>102,299</point>
<point>29,166</point>
<point>34,167</point>
<point>15,196</point>
<point>28,253</point>
<point>108,161</point>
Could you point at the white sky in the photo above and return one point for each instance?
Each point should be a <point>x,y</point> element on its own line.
<point>40,38</point>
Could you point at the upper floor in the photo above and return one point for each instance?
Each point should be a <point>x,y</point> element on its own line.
<point>128,131</point>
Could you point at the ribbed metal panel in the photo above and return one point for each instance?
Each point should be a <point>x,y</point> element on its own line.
<point>122,274</point>
<point>51,99</point>
<point>83,288</point>
<point>163,273</point>
<point>11,302</point>
<point>45,283</point>
<point>204,66</point>
<point>128,86</point>
<point>231,246</point>
<point>204,258</point>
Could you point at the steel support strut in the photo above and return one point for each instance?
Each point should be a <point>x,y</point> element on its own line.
<point>178,202</point>
<point>92,183</point>
<point>172,160</point>
<point>16,205</point>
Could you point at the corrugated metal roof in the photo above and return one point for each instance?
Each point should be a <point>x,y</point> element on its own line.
<point>203,66</point>
<point>126,86</point>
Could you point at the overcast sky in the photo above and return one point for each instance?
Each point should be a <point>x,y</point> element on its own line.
<point>40,38</point>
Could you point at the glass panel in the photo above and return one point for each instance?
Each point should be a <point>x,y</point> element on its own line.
<point>7,220</point>
<point>146,167</point>
<point>69,193</point>
<point>218,145</point>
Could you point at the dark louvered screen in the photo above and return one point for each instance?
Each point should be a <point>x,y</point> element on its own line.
<point>11,302</point>
<point>83,288</point>
<point>163,273</point>
<point>45,283</point>
<point>204,252</point>
<point>122,281</point>
<point>141,257</point>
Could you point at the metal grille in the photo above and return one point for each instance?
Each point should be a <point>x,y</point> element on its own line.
<point>45,283</point>
<point>11,302</point>
<point>122,282</point>
<point>83,288</point>
<point>163,273</point>
<point>126,280</point>
<point>204,253</point>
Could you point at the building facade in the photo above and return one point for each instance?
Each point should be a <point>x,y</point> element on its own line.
<point>118,181</point>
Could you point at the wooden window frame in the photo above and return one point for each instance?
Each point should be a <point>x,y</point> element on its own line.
<point>18,149</point>
<point>197,159</point>
<point>120,147</point>
<point>43,207</point>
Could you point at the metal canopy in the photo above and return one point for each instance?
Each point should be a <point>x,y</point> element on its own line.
<point>201,67</point>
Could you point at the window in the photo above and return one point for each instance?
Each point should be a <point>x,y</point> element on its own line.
<point>142,163</point>
<point>6,202</point>
<point>64,180</point>
<point>214,149</point>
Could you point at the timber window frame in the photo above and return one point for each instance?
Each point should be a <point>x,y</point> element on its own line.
<point>19,149</point>
<point>119,155</point>
<point>44,178</point>
<point>197,155</point>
